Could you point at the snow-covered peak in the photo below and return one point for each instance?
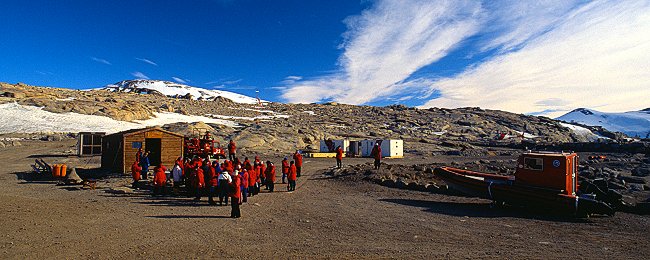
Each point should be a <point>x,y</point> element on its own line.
<point>171,89</point>
<point>634,123</point>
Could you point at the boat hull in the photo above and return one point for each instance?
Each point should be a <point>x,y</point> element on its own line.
<point>505,189</point>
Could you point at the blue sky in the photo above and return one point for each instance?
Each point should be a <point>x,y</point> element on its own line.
<point>522,56</point>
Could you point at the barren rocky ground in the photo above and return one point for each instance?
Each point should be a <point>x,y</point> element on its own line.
<point>281,127</point>
<point>326,217</point>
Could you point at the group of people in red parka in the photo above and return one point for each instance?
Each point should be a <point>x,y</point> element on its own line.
<point>232,180</point>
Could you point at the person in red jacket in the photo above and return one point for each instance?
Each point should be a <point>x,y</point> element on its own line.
<point>212,182</point>
<point>252,180</point>
<point>298,158</point>
<point>232,150</point>
<point>187,167</point>
<point>259,176</point>
<point>138,155</point>
<point>269,173</point>
<point>376,153</point>
<point>159,180</point>
<point>199,181</point>
<point>262,177</point>
<point>292,176</point>
<point>135,173</point>
<point>247,164</point>
<point>339,157</point>
<point>285,169</point>
<point>235,196</point>
<point>236,163</point>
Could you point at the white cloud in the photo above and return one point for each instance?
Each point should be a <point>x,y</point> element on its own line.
<point>385,45</point>
<point>230,82</point>
<point>291,80</point>
<point>147,61</point>
<point>180,80</point>
<point>596,56</point>
<point>224,82</point>
<point>510,23</point>
<point>45,73</point>
<point>101,60</point>
<point>139,75</point>
<point>549,56</point>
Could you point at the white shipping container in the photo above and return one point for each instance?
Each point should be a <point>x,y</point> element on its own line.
<point>343,143</point>
<point>389,148</point>
<point>392,148</point>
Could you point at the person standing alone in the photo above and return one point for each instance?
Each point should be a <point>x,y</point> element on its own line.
<point>376,153</point>
<point>339,157</point>
<point>232,150</point>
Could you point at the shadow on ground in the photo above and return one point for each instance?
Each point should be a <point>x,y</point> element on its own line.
<point>480,210</point>
<point>36,178</point>
<point>51,155</point>
<point>186,216</point>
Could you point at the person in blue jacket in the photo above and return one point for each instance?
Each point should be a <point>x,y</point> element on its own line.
<point>144,163</point>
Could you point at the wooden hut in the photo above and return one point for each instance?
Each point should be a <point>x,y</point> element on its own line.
<point>119,149</point>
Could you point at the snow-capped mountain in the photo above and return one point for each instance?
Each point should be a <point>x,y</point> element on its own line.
<point>634,123</point>
<point>172,89</point>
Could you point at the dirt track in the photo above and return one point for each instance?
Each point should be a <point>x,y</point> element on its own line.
<point>324,218</point>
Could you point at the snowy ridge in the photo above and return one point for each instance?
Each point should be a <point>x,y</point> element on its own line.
<point>634,123</point>
<point>29,119</point>
<point>176,90</point>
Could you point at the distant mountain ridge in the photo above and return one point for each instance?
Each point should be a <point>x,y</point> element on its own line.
<point>633,123</point>
<point>171,89</point>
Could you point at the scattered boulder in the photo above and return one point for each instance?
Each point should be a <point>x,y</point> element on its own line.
<point>73,177</point>
<point>642,208</point>
<point>13,94</point>
<point>400,184</point>
<point>388,183</point>
<point>641,172</point>
<point>166,108</point>
<point>636,187</point>
<point>630,179</point>
<point>120,190</point>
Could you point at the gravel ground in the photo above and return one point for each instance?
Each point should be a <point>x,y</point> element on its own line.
<point>324,218</point>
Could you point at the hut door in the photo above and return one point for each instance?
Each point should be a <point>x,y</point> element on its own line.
<point>153,146</point>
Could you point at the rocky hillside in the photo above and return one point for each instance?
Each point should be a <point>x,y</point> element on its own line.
<point>283,127</point>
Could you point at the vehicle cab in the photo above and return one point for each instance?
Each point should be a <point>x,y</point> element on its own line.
<point>549,170</point>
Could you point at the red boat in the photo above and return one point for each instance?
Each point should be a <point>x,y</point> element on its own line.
<point>542,180</point>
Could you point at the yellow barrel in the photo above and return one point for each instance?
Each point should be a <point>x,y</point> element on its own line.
<point>64,168</point>
<point>56,170</point>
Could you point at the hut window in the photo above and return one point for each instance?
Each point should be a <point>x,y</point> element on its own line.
<point>533,163</point>
<point>136,145</point>
<point>90,143</point>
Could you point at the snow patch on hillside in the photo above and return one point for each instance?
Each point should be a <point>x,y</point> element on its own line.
<point>584,132</point>
<point>635,123</point>
<point>29,119</point>
<point>172,89</point>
